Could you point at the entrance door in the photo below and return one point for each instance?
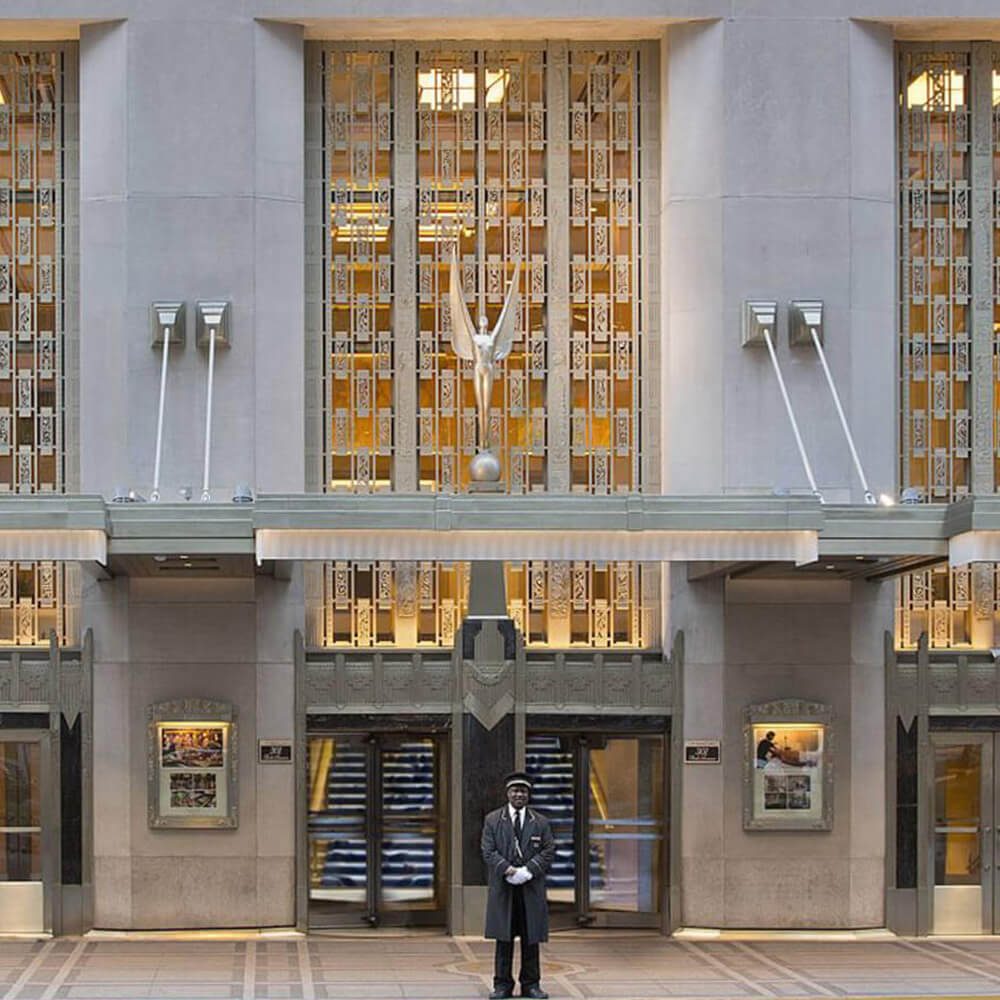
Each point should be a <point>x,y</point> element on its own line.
<point>24,834</point>
<point>376,822</point>
<point>965,813</point>
<point>605,798</point>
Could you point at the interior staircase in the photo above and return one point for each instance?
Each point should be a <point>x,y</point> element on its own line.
<point>339,829</point>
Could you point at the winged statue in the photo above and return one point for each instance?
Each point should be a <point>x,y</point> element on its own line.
<point>485,348</point>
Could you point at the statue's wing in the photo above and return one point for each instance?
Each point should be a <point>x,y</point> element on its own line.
<point>462,327</point>
<point>506,329</point>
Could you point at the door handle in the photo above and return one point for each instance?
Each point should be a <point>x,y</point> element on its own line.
<point>986,868</point>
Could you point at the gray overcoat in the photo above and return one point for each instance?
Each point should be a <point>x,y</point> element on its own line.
<point>538,848</point>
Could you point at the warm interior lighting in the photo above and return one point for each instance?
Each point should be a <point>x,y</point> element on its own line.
<point>439,89</point>
<point>918,92</point>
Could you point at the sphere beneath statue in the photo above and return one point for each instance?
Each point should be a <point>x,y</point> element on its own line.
<point>485,468</point>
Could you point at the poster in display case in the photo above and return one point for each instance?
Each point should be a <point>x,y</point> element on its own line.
<point>788,766</point>
<point>191,762</point>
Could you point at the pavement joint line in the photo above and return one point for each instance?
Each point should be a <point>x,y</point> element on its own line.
<point>704,955</point>
<point>466,949</point>
<point>566,984</point>
<point>65,969</point>
<point>250,971</point>
<point>31,968</point>
<point>305,971</point>
<point>787,970</point>
<point>954,963</point>
<point>971,956</point>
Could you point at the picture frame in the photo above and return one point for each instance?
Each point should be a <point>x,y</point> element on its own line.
<point>788,766</point>
<point>191,761</point>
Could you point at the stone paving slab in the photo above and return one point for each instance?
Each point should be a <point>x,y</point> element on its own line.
<point>579,966</point>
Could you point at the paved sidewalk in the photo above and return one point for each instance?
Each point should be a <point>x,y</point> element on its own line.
<point>611,966</point>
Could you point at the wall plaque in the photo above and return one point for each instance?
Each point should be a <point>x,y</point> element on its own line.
<point>274,751</point>
<point>702,752</point>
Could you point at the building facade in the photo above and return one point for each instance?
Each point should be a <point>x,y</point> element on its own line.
<point>266,645</point>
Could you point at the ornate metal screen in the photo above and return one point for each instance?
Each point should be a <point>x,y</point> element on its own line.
<point>33,380</point>
<point>606,326</point>
<point>560,604</point>
<point>949,211</point>
<point>359,344</point>
<point>528,154</point>
<point>481,139</point>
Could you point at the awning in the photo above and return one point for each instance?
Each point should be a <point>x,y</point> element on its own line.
<point>54,545</point>
<point>330,544</point>
<point>974,546</point>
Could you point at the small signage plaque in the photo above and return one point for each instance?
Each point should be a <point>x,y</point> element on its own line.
<point>702,752</point>
<point>274,751</point>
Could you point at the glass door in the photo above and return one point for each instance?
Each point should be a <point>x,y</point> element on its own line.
<point>964,834</point>
<point>375,796</point>
<point>24,847</point>
<point>604,796</point>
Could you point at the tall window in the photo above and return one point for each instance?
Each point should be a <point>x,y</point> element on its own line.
<point>33,259</point>
<point>528,157</point>
<point>949,240</point>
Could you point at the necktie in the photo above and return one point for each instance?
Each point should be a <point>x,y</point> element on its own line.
<point>517,824</point>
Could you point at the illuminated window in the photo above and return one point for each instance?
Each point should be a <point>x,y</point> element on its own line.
<point>426,149</point>
<point>33,596</point>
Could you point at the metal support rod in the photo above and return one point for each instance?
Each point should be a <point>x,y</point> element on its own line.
<point>205,494</point>
<point>791,418</point>
<point>155,495</point>
<point>869,496</point>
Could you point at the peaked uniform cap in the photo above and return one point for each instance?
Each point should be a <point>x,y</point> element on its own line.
<point>517,778</point>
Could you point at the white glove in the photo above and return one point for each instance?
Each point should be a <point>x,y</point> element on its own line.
<point>519,876</point>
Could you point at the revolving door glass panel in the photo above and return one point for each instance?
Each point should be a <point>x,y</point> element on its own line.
<point>375,796</point>
<point>604,796</point>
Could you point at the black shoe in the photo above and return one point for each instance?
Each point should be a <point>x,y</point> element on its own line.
<point>535,992</point>
<point>501,994</point>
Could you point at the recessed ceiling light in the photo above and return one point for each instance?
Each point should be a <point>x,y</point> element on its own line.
<point>159,558</point>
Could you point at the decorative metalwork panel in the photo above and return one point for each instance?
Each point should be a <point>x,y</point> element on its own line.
<point>935,282</point>
<point>32,323</point>
<point>360,365</point>
<point>426,149</point>
<point>605,297</point>
<point>393,603</point>
<point>584,603</point>
<point>481,187</point>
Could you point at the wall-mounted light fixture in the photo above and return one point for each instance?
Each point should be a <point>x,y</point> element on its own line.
<point>213,331</point>
<point>760,319</point>
<point>759,328</point>
<point>804,315</point>
<point>168,330</point>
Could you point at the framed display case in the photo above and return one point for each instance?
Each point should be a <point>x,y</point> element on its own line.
<point>788,766</point>
<point>192,764</point>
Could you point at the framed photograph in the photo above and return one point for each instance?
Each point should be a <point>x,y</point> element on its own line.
<point>192,764</point>
<point>788,766</point>
<point>274,751</point>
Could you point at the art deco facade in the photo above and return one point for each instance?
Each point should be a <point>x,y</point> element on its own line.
<point>266,650</point>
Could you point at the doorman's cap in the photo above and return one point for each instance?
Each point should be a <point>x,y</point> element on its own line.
<point>517,778</point>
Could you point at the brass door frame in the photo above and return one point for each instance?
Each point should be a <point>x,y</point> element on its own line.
<point>49,818</point>
<point>375,913</point>
<point>989,746</point>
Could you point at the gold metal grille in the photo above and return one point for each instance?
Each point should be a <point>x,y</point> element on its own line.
<point>359,344</point>
<point>481,186</point>
<point>531,154</point>
<point>604,290</point>
<point>32,305</point>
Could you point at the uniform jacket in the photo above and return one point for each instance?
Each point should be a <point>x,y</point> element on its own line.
<point>538,848</point>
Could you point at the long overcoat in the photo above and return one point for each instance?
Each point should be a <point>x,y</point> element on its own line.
<point>537,849</point>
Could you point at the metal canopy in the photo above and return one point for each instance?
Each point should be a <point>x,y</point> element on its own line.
<point>723,535</point>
